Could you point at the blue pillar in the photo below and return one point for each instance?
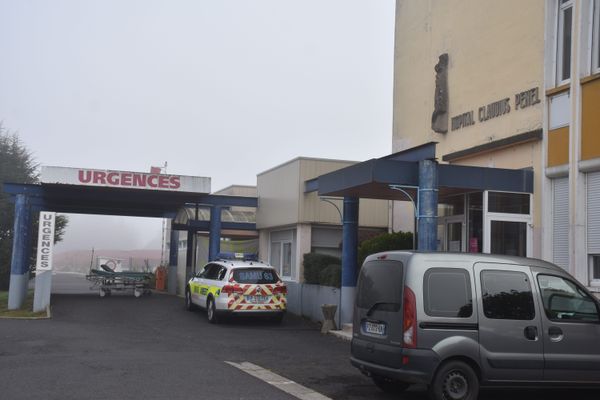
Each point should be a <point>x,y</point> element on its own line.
<point>349,258</point>
<point>428,203</point>
<point>214,238</point>
<point>173,252</point>
<point>21,251</point>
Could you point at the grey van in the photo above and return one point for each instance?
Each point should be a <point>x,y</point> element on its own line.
<point>458,321</point>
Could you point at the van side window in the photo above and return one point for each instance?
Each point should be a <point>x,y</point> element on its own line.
<point>565,301</point>
<point>447,293</point>
<point>507,295</point>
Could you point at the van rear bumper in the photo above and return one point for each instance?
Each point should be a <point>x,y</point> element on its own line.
<point>420,367</point>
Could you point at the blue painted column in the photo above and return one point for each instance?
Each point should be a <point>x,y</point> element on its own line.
<point>173,252</point>
<point>214,238</point>
<point>349,258</point>
<point>21,251</point>
<point>428,205</point>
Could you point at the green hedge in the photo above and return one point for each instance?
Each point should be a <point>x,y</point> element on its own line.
<point>331,275</point>
<point>384,242</point>
<point>320,269</point>
<point>326,270</point>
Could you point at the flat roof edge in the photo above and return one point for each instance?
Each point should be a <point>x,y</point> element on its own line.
<point>302,158</point>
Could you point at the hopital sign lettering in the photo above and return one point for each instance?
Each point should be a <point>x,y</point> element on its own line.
<point>496,109</point>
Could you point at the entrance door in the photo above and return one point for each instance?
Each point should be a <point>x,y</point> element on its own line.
<point>508,237</point>
<point>510,232</point>
<point>509,323</point>
<point>451,234</point>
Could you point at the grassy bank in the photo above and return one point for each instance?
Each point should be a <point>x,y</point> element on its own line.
<point>24,312</point>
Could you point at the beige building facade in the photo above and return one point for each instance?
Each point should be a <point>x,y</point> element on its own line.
<point>571,161</point>
<point>479,78</point>
<point>292,222</point>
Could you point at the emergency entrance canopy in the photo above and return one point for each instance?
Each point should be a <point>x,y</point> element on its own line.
<point>124,179</point>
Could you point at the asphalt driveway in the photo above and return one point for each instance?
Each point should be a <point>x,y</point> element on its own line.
<point>121,347</point>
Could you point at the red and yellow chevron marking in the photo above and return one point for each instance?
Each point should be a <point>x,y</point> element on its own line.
<point>238,302</point>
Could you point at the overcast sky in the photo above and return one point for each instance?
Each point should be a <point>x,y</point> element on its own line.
<point>220,88</point>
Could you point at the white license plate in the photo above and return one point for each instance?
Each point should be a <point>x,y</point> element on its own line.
<point>376,329</point>
<point>257,299</point>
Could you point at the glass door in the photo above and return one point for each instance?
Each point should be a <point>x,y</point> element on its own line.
<point>455,234</point>
<point>507,226</point>
<point>451,234</point>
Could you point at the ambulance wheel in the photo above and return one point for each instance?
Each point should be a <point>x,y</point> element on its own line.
<point>188,301</point>
<point>211,311</point>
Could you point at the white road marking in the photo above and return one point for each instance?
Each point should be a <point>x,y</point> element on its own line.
<point>281,383</point>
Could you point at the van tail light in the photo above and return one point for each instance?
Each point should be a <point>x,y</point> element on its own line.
<point>280,290</point>
<point>409,325</point>
<point>231,289</point>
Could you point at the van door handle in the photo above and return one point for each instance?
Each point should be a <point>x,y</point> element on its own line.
<point>555,333</point>
<point>531,332</point>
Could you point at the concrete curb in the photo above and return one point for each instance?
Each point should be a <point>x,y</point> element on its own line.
<point>345,333</point>
<point>342,335</point>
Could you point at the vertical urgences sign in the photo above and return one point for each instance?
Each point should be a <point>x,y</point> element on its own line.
<point>45,241</point>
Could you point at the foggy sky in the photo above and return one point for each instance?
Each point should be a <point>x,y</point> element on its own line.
<point>222,88</point>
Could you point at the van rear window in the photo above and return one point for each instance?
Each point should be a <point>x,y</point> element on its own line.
<point>381,281</point>
<point>255,275</point>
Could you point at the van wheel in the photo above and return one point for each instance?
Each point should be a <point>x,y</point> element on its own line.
<point>389,385</point>
<point>454,380</point>
<point>211,311</point>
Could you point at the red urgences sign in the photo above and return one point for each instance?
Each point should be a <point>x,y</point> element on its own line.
<point>124,179</point>
<point>129,179</point>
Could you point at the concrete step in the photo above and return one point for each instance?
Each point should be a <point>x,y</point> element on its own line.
<point>345,333</point>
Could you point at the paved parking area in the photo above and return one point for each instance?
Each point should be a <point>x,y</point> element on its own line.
<point>121,347</point>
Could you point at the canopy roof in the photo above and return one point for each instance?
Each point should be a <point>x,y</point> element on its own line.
<point>376,178</point>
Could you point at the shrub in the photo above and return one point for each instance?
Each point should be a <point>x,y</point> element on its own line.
<point>331,276</point>
<point>315,263</point>
<point>384,242</point>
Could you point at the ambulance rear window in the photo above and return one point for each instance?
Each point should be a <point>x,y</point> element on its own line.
<point>255,275</point>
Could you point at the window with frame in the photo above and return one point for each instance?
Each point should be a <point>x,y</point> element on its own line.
<point>565,301</point>
<point>509,203</point>
<point>447,293</point>
<point>281,258</point>
<point>596,38</point>
<point>563,45</point>
<point>507,295</point>
<point>595,269</point>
